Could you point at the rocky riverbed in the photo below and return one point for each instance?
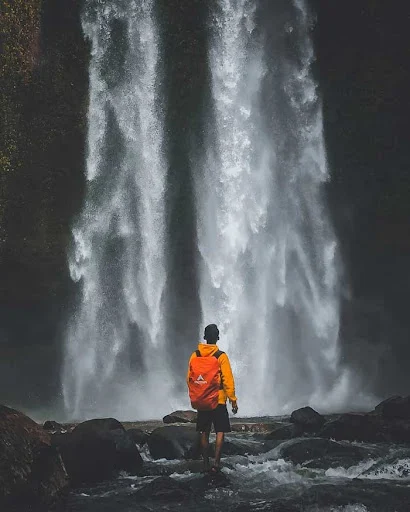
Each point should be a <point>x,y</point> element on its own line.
<point>303,462</point>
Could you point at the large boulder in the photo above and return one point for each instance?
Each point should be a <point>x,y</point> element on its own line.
<point>285,431</point>
<point>395,431</point>
<point>180,417</point>
<point>174,442</point>
<point>98,449</point>
<point>315,450</point>
<point>371,428</point>
<point>53,427</point>
<point>98,426</point>
<point>395,407</point>
<point>308,419</point>
<point>138,436</point>
<point>31,469</point>
<point>354,427</point>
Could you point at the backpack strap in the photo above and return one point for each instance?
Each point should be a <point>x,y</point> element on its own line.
<point>218,354</point>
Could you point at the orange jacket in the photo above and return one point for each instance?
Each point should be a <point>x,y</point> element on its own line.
<point>228,383</point>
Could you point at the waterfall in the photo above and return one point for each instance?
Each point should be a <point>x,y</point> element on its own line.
<point>269,271</point>
<point>114,338</point>
<point>268,257</point>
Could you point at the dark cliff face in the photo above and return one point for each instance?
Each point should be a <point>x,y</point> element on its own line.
<point>43,98</point>
<point>362,53</point>
<point>363,50</point>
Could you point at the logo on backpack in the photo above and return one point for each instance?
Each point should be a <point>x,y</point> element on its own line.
<point>200,380</point>
<point>204,381</point>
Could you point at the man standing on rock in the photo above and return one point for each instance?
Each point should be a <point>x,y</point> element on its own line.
<point>211,383</point>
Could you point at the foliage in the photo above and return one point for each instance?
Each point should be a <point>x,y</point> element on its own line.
<point>19,28</point>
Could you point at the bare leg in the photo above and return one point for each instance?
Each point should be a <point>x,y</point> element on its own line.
<point>205,449</point>
<point>220,436</point>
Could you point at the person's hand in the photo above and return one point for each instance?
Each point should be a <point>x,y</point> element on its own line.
<point>234,407</point>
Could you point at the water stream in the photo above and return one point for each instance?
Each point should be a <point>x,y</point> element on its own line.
<point>269,255</point>
<point>118,253</point>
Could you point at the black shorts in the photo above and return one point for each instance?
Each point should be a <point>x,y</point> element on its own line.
<point>218,417</point>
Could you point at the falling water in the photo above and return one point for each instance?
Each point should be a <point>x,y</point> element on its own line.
<point>118,253</point>
<point>269,273</point>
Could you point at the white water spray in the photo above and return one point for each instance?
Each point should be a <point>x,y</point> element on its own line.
<point>269,271</point>
<point>269,255</point>
<point>119,239</point>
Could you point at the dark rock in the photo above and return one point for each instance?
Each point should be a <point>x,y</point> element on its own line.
<point>44,85</point>
<point>31,470</point>
<point>354,427</point>
<point>174,442</point>
<point>372,428</point>
<point>128,457</point>
<point>394,407</point>
<point>53,426</point>
<point>210,481</point>
<point>395,431</point>
<point>138,436</point>
<point>164,489</point>
<point>379,408</point>
<point>98,425</point>
<point>180,417</point>
<point>288,431</point>
<point>98,449</point>
<point>157,469</point>
<point>308,419</point>
<point>269,445</point>
<point>346,457</point>
<point>309,449</point>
